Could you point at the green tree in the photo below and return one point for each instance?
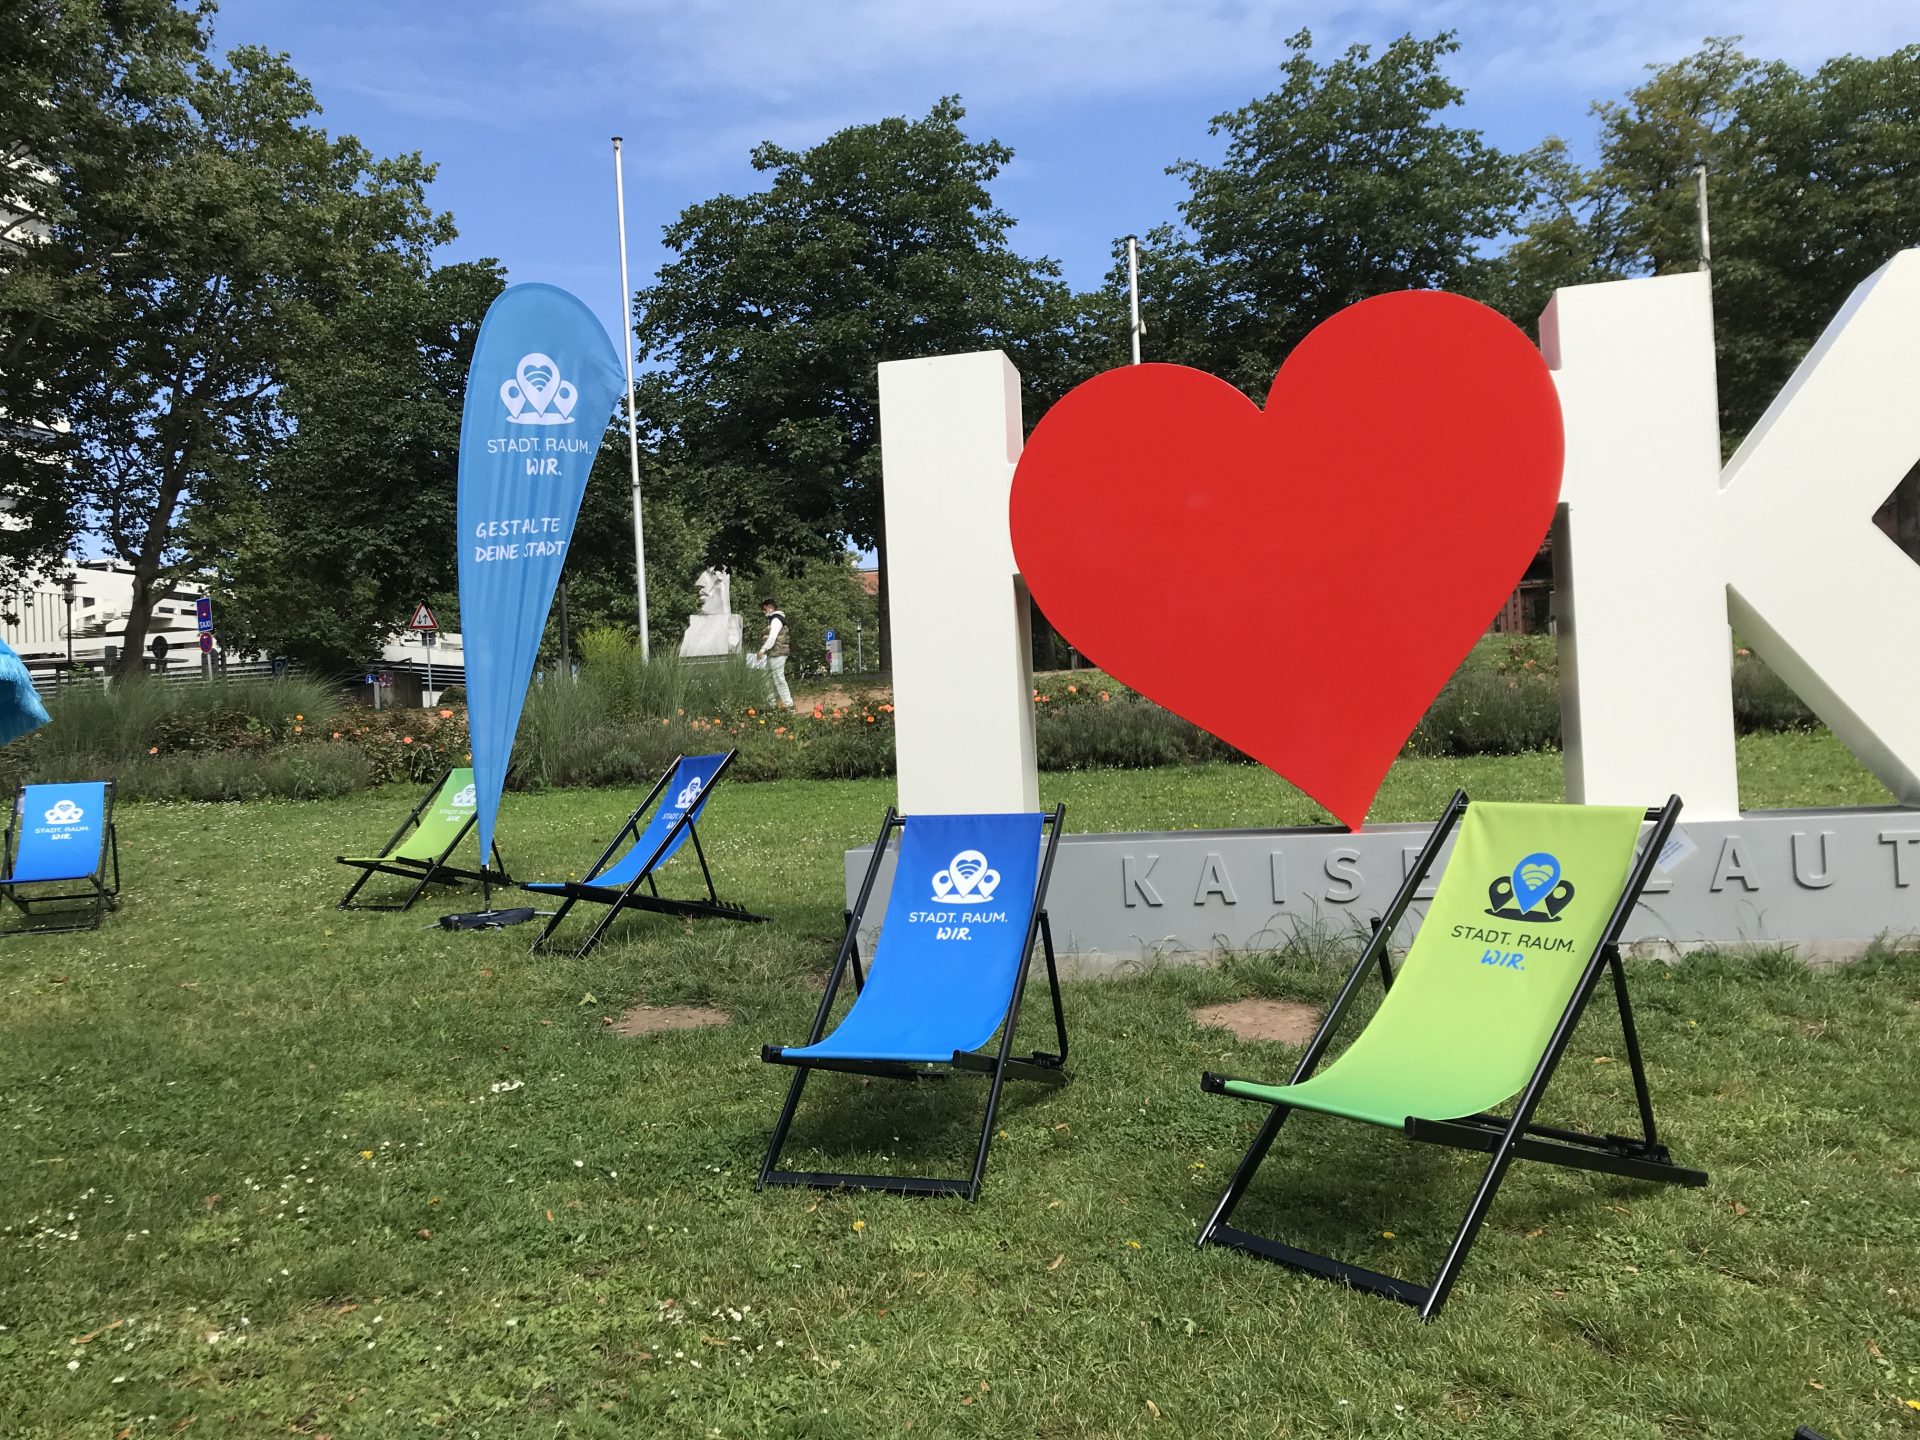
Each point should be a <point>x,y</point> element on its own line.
<point>349,520</point>
<point>825,593</point>
<point>1343,183</point>
<point>194,275</point>
<point>89,92</point>
<point>1814,183</point>
<point>599,569</point>
<point>880,243</point>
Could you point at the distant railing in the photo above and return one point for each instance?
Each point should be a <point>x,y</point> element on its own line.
<point>52,676</point>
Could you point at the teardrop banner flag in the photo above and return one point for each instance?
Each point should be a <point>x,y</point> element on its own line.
<point>543,383</point>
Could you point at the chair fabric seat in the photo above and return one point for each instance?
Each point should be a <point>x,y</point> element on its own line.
<point>685,790</point>
<point>60,833</point>
<point>1525,897</point>
<point>951,944</point>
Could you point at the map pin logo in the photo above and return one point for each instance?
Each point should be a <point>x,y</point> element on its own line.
<point>1533,878</point>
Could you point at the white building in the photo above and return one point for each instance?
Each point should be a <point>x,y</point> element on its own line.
<point>85,616</point>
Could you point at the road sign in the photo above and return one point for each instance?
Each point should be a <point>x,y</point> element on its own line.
<point>371,677</point>
<point>423,618</point>
<point>206,642</point>
<point>203,609</point>
<point>830,637</point>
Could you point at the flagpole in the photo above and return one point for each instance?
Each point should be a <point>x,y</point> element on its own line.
<point>1133,294</point>
<point>633,425</point>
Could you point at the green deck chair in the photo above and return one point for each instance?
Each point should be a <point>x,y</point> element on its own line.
<point>1526,917</point>
<point>421,850</point>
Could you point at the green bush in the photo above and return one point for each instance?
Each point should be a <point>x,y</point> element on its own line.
<point>1763,701</point>
<point>1483,712</point>
<point>308,770</point>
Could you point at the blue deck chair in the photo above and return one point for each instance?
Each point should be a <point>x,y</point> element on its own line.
<point>62,835</point>
<point>687,785</point>
<point>950,968</point>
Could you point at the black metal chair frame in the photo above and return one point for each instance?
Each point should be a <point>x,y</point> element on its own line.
<point>630,896</point>
<point>1505,1138</point>
<point>426,872</point>
<point>1049,1068</point>
<point>99,899</point>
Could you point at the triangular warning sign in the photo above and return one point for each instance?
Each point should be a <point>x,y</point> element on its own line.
<point>423,618</point>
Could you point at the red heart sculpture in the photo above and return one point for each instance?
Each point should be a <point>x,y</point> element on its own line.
<point>1299,581</point>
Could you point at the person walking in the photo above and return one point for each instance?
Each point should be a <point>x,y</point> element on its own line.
<point>773,653</point>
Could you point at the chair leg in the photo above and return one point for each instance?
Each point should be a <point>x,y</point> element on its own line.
<point>346,900</point>
<point>553,923</point>
<point>1469,1229</point>
<point>600,928</point>
<point>1243,1176</point>
<point>779,1140</point>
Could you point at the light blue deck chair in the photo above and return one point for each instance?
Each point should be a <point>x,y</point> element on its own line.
<point>949,970</point>
<point>683,791</point>
<point>62,835</point>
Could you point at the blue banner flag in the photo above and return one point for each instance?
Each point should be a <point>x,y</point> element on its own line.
<point>543,383</point>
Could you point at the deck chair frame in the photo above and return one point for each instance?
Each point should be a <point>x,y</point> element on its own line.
<point>630,896</point>
<point>1504,1138</point>
<point>1049,1068</point>
<point>101,898</point>
<point>434,872</point>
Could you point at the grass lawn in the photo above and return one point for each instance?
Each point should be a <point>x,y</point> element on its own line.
<point>274,1169</point>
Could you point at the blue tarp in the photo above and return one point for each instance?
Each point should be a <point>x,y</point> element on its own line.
<point>21,712</point>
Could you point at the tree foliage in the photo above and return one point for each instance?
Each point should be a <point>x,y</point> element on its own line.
<point>88,91</point>
<point>1813,184</point>
<point>349,519</point>
<point>1345,182</point>
<point>190,275</point>
<point>880,243</point>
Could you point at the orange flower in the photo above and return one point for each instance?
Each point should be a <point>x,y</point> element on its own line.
<point>818,713</point>
<point>336,734</point>
<point>1073,689</point>
<point>886,709</point>
<point>446,714</point>
<point>299,729</point>
<point>682,712</point>
<point>299,717</point>
<point>869,719</point>
<point>406,739</point>
<point>779,729</point>
<point>1104,696</point>
<point>153,750</point>
<point>663,722</point>
<point>752,711</point>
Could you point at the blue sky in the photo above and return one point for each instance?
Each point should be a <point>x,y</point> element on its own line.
<point>516,101</point>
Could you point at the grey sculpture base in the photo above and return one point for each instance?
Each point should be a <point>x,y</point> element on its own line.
<point>710,636</point>
<point>1825,882</point>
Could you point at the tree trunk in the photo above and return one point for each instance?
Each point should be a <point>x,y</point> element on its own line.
<point>1906,514</point>
<point>147,569</point>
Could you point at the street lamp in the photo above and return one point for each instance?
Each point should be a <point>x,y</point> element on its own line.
<point>66,587</point>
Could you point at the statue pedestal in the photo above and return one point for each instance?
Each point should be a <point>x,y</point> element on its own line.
<point>711,636</point>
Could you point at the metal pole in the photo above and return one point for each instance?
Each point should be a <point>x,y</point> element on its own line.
<point>1133,294</point>
<point>633,426</point>
<point>1700,196</point>
<point>859,646</point>
<point>427,637</point>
